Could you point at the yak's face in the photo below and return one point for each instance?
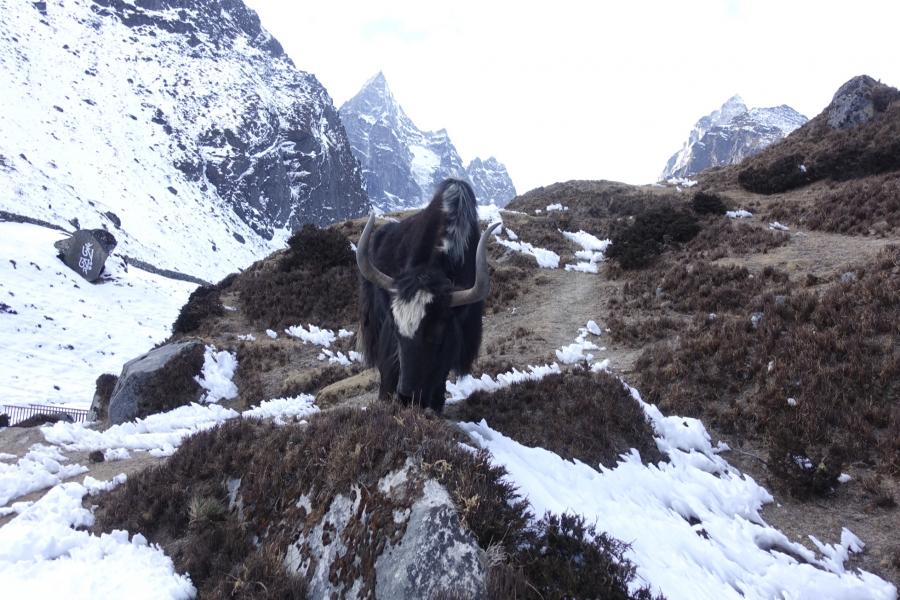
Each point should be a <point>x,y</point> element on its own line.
<point>423,319</point>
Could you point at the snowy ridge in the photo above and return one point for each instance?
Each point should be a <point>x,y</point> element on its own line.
<point>176,128</point>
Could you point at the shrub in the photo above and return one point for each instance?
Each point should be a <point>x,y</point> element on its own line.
<point>708,203</point>
<point>636,246</point>
<point>832,354</point>
<point>202,304</point>
<point>314,281</point>
<point>583,415</point>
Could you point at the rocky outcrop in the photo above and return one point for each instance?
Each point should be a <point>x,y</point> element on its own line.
<point>853,104</point>
<point>159,380</point>
<point>729,135</point>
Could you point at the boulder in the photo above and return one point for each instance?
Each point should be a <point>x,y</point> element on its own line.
<point>852,104</point>
<point>435,556</point>
<point>157,381</point>
<point>423,549</point>
<point>86,251</point>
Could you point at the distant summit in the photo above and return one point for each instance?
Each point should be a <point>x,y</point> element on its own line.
<point>730,134</point>
<point>401,164</point>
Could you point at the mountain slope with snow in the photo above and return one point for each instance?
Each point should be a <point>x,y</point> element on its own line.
<point>730,134</point>
<point>179,125</point>
<point>402,164</point>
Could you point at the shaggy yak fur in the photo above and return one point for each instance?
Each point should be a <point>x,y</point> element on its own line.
<point>410,332</point>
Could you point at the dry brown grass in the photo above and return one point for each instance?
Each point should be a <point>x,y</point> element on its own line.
<point>834,355</point>
<point>314,281</point>
<point>587,416</point>
<point>183,505</point>
<point>815,152</point>
<point>869,206</point>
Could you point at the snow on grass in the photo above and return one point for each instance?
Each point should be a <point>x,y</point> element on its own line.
<point>557,206</point>
<point>778,226</point>
<point>681,181</point>
<point>693,523</point>
<point>40,468</point>
<point>161,433</point>
<point>216,375</point>
<point>489,213</point>
<point>271,334</point>
<point>576,352</point>
<point>65,332</point>
<point>314,335</point>
<point>467,385</point>
<point>584,267</point>
<point>738,214</point>
<point>728,552</point>
<point>546,259</point>
<point>279,409</point>
<point>41,550</point>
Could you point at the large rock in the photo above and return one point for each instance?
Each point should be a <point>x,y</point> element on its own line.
<point>436,555</point>
<point>852,104</point>
<point>157,381</point>
<point>86,251</point>
<point>424,551</point>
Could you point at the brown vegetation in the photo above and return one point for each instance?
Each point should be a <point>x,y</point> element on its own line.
<point>578,415</point>
<point>652,232</point>
<point>183,505</point>
<point>816,376</point>
<point>313,281</point>
<point>816,151</point>
<point>869,206</point>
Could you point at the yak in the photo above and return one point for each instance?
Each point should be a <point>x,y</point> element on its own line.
<point>423,282</point>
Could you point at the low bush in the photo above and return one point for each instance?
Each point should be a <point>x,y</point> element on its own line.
<point>314,281</point>
<point>708,203</point>
<point>822,370</point>
<point>636,246</point>
<point>583,415</point>
<point>183,505</point>
<point>202,304</point>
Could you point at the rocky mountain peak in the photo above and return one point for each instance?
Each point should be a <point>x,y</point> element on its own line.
<point>729,134</point>
<point>403,164</point>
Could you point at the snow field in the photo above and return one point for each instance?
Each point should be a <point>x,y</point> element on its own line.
<point>63,332</point>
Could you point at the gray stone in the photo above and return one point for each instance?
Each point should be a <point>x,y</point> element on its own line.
<point>435,555</point>
<point>86,251</point>
<point>852,104</point>
<point>159,380</point>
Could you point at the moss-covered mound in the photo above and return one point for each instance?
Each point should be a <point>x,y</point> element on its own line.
<point>313,281</point>
<point>583,415</point>
<point>230,501</point>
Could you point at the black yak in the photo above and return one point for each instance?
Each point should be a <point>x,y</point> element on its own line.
<point>422,289</point>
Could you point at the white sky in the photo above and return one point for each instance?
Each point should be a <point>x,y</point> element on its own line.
<point>563,89</point>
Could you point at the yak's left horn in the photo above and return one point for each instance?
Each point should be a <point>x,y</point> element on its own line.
<point>482,287</point>
<point>364,261</point>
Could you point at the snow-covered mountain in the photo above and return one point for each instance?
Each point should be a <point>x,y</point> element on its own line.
<point>491,182</point>
<point>402,164</point>
<point>730,134</point>
<point>179,125</point>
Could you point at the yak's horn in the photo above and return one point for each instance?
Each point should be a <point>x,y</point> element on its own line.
<point>482,287</point>
<point>364,261</point>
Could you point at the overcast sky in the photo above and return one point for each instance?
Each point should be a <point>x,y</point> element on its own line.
<point>561,89</point>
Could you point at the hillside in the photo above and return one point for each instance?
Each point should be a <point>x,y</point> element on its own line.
<point>707,377</point>
<point>180,126</point>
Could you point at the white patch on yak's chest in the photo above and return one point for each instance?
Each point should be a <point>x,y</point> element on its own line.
<point>408,314</point>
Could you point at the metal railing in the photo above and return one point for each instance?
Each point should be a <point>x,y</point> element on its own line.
<point>17,414</point>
